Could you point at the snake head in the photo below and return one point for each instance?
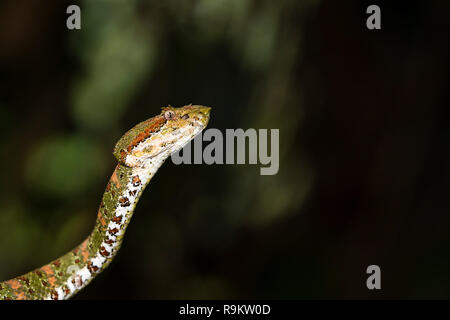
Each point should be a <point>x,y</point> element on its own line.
<point>162,135</point>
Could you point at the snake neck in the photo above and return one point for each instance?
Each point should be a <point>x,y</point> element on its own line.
<point>68,274</point>
<point>114,214</point>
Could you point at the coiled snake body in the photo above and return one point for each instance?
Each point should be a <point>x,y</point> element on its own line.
<point>140,152</point>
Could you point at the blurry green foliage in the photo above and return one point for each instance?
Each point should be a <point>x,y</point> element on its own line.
<point>117,55</point>
<point>64,166</point>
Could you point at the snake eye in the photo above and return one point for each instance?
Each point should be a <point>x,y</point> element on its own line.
<point>169,114</point>
<point>186,116</point>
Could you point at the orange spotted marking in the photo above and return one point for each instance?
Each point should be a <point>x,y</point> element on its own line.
<point>100,218</point>
<point>52,281</point>
<point>156,123</point>
<point>84,250</point>
<point>115,179</point>
<point>117,219</point>
<point>136,181</point>
<point>48,270</point>
<point>21,296</point>
<point>14,284</point>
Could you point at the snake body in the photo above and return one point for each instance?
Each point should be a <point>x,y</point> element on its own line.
<point>140,153</point>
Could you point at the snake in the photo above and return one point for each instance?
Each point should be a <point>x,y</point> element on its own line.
<point>140,152</point>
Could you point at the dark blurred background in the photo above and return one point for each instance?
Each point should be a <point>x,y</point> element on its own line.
<point>364,156</point>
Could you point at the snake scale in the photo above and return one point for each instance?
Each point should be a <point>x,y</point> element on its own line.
<point>140,153</point>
